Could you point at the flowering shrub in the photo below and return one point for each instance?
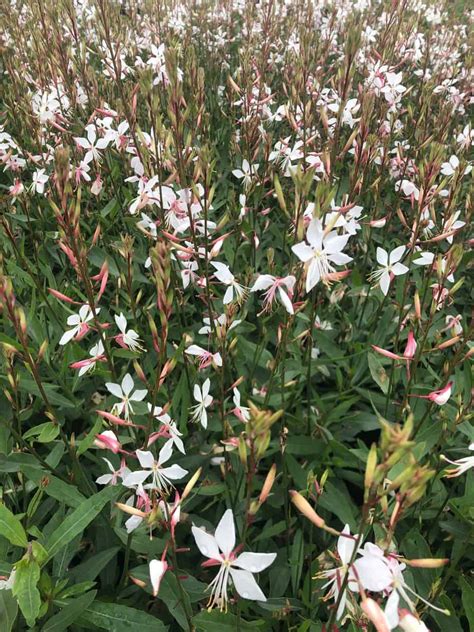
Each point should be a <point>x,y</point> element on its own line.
<point>234,299</point>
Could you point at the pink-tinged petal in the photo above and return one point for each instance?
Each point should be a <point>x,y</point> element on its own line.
<point>206,543</point>
<point>399,268</point>
<point>375,613</point>
<point>286,301</point>
<point>373,573</point>
<point>225,532</point>
<point>195,350</point>
<point>387,354</point>
<point>254,562</point>
<point>302,251</point>
<point>82,142</point>
<point>246,585</point>
<point>263,282</point>
<point>127,384</point>
<point>114,389</point>
<point>135,478</point>
<point>145,458</point>
<point>174,472</point>
<point>382,256</point>
<point>157,569</point>
<point>397,254</point>
<point>385,282</point>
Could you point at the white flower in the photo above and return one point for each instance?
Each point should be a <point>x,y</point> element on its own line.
<point>129,338</point>
<point>408,188</point>
<point>39,180</point>
<point>224,275</point>
<point>274,285</point>
<point>241,412</point>
<point>78,322</point>
<point>125,394</point>
<point>390,265</point>
<point>247,173</point>
<point>169,426</point>
<point>91,144</point>
<point>220,549</point>
<point>204,401</point>
<point>335,576</point>
<point>205,357</point>
<point>322,251</point>
<point>461,465</point>
<point>7,584</point>
<point>161,476</point>
<point>449,168</point>
<point>114,475</point>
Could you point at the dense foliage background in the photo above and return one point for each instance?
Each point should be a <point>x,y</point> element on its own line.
<point>157,159</point>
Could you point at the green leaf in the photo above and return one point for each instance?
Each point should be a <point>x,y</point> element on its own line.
<point>115,618</point>
<point>11,528</point>
<point>88,570</point>
<point>378,372</point>
<point>44,432</point>
<point>79,519</point>
<point>70,613</point>
<point>296,560</point>
<point>468,600</point>
<point>8,610</point>
<point>25,589</point>
<point>216,621</point>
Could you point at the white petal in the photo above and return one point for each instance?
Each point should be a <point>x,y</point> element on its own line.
<point>174,472</point>
<point>197,393</point>
<point>263,282</point>
<point>135,478</point>
<point>145,458</point>
<point>195,350</point>
<point>302,251</point>
<point>254,562</point>
<point>399,268</point>
<point>286,301</point>
<point>314,234</point>
<point>228,296</point>
<point>397,254</point>
<point>385,282</point>
<point>382,256</point>
<point>373,573</point>
<point>114,389</point>
<point>166,452</point>
<point>312,276</point>
<point>246,585</point>
<point>345,546</point>
<point>104,479</point>
<point>339,258</point>
<point>157,570</point>
<point>121,322</point>
<point>206,543</point>
<point>391,609</point>
<point>205,388</point>
<point>138,395</point>
<point>133,523</point>
<point>127,384</point>
<point>225,532</point>
<point>67,336</point>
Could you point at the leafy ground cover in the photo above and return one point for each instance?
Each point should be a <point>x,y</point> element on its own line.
<point>235,283</point>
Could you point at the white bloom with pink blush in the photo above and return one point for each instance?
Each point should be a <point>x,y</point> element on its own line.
<point>115,475</point>
<point>241,412</point>
<point>276,286</point>
<point>91,144</point>
<point>79,324</point>
<point>128,338</point>
<point>206,358</point>
<point>225,276</point>
<point>220,551</point>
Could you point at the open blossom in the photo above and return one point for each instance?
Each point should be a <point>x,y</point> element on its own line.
<point>440,396</point>
<point>335,576</point>
<point>241,412</point>
<point>127,338</point>
<point>246,173</point>
<point>205,357</point>
<point>275,286</point>
<point>204,400</point>
<point>322,250</point>
<point>224,275</point>
<point>97,355</point>
<point>127,394</point>
<point>115,475</point>
<point>167,428</point>
<point>461,465</point>
<point>91,144</point>
<point>79,325</point>
<point>390,266</point>
<point>220,551</point>
<point>161,477</point>
<point>39,180</point>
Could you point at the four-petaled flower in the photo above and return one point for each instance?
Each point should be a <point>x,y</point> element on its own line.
<point>161,476</point>
<point>220,551</point>
<point>128,339</point>
<point>79,325</point>
<point>126,393</point>
<point>275,286</point>
<point>391,266</point>
<point>204,400</point>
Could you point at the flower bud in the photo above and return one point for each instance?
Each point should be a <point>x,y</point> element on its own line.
<point>191,483</point>
<point>305,508</point>
<point>268,484</point>
<point>375,613</point>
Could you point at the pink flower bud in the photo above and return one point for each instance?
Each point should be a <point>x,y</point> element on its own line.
<point>108,441</point>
